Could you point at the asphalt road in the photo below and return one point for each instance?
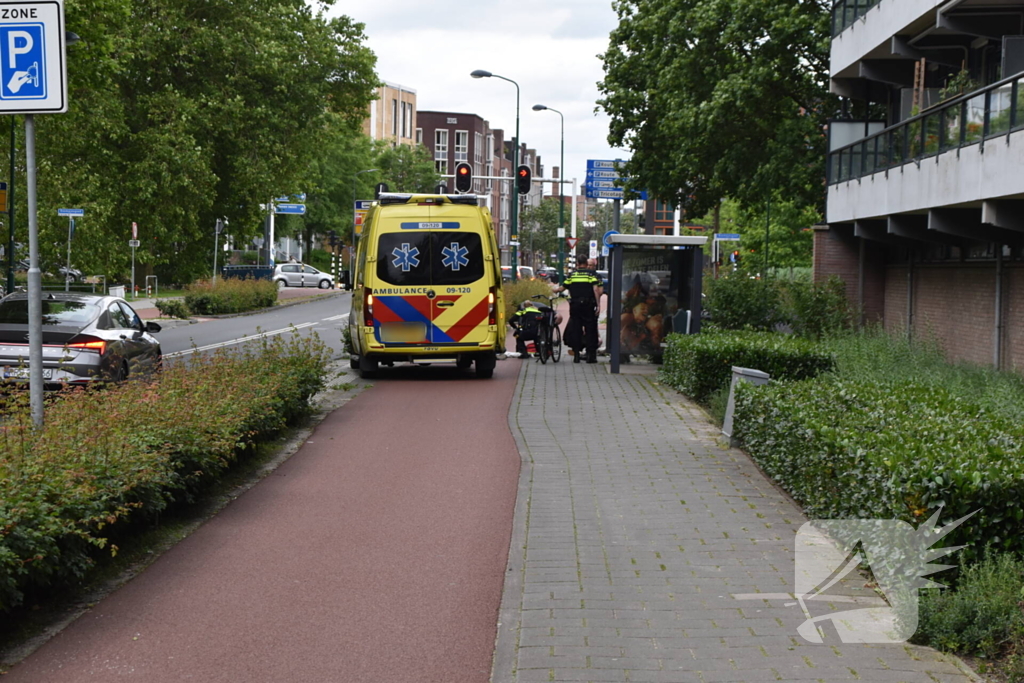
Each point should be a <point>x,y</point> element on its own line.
<point>326,316</point>
<point>376,553</point>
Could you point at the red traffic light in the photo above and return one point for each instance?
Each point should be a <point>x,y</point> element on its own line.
<point>463,177</point>
<point>523,179</point>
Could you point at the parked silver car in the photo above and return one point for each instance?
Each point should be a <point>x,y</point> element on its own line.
<point>86,338</point>
<point>301,275</point>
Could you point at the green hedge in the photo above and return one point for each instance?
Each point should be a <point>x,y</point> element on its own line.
<point>890,450</point>
<point>700,364</point>
<point>230,295</point>
<point>106,458</point>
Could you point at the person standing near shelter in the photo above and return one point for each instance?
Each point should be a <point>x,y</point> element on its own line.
<point>584,292</point>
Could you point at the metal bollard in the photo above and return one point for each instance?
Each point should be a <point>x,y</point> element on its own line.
<point>756,377</point>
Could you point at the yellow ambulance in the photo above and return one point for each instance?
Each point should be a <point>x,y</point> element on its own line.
<point>427,285</point>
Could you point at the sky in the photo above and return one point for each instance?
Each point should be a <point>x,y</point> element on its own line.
<point>549,47</point>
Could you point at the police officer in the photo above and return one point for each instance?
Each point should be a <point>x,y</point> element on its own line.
<point>584,291</point>
<point>525,322</point>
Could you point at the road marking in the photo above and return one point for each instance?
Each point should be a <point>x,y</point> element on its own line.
<point>336,317</point>
<point>240,340</point>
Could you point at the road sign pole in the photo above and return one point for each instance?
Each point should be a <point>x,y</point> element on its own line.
<point>216,244</point>
<point>67,273</point>
<point>35,289</point>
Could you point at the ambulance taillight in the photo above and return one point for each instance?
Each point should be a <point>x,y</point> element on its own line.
<point>368,307</point>
<point>492,301</point>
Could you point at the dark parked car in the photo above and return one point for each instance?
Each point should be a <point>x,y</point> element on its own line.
<point>86,338</point>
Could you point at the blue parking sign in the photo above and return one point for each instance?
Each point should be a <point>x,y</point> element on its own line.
<point>22,61</point>
<point>33,74</point>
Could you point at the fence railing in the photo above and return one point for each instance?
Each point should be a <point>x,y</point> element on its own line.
<point>994,110</point>
<point>845,12</point>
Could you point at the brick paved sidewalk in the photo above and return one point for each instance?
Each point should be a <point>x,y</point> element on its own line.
<point>637,535</point>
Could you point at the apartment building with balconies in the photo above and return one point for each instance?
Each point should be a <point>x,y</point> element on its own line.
<point>925,174</point>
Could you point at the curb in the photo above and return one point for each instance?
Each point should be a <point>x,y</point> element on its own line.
<point>506,642</point>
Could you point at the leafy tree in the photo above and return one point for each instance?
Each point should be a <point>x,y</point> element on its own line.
<point>538,229</point>
<point>720,98</point>
<point>407,168</point>
<point>185,111</point>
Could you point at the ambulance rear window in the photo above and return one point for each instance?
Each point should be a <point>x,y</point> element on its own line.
<point>412,259</point>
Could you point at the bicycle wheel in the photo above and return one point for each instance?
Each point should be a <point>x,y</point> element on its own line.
<point>555,346</point>
<point>542,343</point>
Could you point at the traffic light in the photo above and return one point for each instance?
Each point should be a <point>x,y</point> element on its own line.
<point>463,177</point>
<point>523,179</point>
<point>332,238</point>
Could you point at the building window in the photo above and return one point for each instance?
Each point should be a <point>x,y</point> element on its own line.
<point>419,136</point>
<point>461,145</point>
<point>441,151</point>
<point>394,116</point>
<point>664,213</point>
<point>407,120</point>
<point>478,148</point>
<point>489,156</point>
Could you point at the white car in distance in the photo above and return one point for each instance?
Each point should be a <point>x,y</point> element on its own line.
<point>301,275</point>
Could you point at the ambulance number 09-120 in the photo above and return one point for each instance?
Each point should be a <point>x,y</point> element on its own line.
<point>458,290</point>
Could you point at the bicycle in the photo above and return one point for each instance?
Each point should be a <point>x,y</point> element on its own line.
<point>549,336</point>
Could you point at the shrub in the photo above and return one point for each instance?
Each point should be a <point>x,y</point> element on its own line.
<point>816,309</point>
<point>173,308</point>
<point>889,450</point>
<point>701,364</point>
<point>982,616</point>
<point>738,302</point>
<point>104,458</point>
<point>230,295</point>
<point>873,355</point>
<point>521,290</point>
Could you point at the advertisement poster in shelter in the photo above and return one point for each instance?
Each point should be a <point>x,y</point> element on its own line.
<point>655,285</point>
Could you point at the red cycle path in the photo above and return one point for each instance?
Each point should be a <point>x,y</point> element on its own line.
<point>376,553</point>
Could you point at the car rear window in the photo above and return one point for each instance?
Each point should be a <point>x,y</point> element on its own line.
<point>429,258</point>
<point>15,312</point>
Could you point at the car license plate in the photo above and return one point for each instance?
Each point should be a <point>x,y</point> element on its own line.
<point>22,373</point>
<point>403,333</point>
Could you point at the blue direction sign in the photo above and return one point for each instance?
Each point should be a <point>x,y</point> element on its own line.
<point>296,209</point>
<point>598,173</point>
<point>71,212</point>
<point>611,193</point>
<point>300,197</point>
<point>363,204</point>
<point>727,236</point>
<point>32,69</point>
<point>606,164</point>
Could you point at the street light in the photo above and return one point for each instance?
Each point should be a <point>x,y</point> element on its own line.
<point>480,73</point>
<point>561,199</point>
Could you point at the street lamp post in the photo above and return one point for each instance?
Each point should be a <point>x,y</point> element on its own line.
<point>561,198</point>
<point>480,73</point>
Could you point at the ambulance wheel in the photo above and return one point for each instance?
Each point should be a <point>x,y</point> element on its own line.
<point>367,367</point>
<point>485,366</point>
<point>463,362</point>
<point>353,362</point>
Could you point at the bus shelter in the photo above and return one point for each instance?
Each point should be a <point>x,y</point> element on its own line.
<point>655,291</point>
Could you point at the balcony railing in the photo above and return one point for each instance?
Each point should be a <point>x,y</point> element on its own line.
<point>994,110</point>
<point>845,12</point>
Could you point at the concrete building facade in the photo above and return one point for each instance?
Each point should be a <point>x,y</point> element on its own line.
<point>925,189</point>
<point>392,115</point>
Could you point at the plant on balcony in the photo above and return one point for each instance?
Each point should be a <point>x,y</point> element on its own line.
<point>957,85</point>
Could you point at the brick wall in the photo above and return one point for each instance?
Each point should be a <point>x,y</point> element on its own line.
<point>895,310</point>
<point>954,304</point>
<point>837,252</point>
<point>1013,313</point>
